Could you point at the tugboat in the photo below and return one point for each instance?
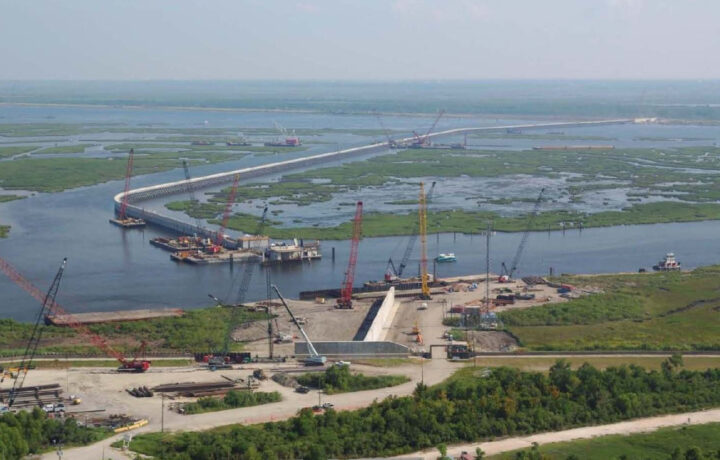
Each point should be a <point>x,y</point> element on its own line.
<point>449,257</point>
<point>667,264</point>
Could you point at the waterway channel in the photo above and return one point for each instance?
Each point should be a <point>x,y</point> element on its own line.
<point>113,269</point>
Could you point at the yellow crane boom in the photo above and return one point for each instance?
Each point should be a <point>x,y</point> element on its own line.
<point>422,217</point>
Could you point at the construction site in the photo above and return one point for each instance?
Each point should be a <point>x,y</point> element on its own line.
<point>409,319</point>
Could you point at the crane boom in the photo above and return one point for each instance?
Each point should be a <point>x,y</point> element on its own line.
<point>345,300</point>
<point>221,359</point>
<point>220,236</point>
<point>422,218</point>
<point>32,344</point>
<point>55,309</point>
<point>391,142</point>
<point>315,357</point>
<point>508,272</point>
<point>425,138</point>
<point>128,173</point>
<point>411,242</point>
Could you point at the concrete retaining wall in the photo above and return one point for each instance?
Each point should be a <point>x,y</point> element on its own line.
<point>349,349</point>
<point>376,331</point>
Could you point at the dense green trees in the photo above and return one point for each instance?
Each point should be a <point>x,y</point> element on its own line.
<point>468,407</point>
<point>232,400</point>
<point>339,379</point>
<point>31,432</point>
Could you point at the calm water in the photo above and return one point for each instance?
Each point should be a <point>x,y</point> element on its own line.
<point>113,269</point>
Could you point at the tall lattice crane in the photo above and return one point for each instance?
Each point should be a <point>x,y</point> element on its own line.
<point>423,141</point>
<point>122,218</point>
<point>220,235</point>
<point>221,359</point>
<point>391,272</point>
<point>391,142</point>
<point>507,273</point>
<point>32,344</point>
<point>345,299</point>
<point>422,218</point>
<point>54,309</point>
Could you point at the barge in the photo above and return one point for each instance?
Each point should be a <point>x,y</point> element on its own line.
<point>129,222</point>
<point>283,252</point>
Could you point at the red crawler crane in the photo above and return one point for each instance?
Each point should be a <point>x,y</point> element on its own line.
<point>128,173</point>
<point>123,220</point>
<point>345,300</point>
<point>220,235</point>
<point>55,309</point>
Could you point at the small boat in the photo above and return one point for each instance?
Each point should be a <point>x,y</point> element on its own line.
<point>449,257</point>
<point>667,264</point>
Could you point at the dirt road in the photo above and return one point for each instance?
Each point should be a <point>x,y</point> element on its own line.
<point>432,372</point>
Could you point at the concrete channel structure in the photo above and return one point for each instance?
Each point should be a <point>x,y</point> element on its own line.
<point>137,196</point>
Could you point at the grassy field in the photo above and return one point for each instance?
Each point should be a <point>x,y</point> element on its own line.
<point>78,148</point>
<point>670,311</point>
<point>15,150</point>
<point>57,174</point>
<point>658,445</point>
<point>542,364</point>
<point>72,363</point>
<point>195,331</point>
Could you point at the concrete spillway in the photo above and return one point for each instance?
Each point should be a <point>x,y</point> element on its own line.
<point>137,196</point>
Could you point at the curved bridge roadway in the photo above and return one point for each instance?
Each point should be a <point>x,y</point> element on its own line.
<point>137,196</point>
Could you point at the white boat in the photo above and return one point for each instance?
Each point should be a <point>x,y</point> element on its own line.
<point>449,257</point>
<point>667,264</point>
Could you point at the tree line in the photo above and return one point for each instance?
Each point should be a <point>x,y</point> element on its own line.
<point>25,433</point>
<point>469,407</point>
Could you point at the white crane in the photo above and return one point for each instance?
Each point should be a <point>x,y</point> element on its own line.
<point>315,359</point>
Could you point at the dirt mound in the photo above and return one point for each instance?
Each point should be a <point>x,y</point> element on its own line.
<point>493,341</point>
<point>285,380</point>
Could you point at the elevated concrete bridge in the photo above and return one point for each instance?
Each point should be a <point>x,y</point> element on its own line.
<point>137,196</point>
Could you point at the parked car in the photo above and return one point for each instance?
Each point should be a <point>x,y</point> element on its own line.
<point>327,405</point>
<point>48,408</point>
<point>343,363</point>
<point>59,407</point>
<point>302,389</point>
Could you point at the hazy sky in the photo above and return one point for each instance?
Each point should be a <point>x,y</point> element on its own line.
<point>361,39</point>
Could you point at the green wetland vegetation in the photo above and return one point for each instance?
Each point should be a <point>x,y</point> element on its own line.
<point>195,331</point>
<point>650,311</point>
<point>232,400</point>
<point>472,405</point>
<point>700,442</point>
<point>58,174</point>
<point>669,177</point>
<point>339,379</point>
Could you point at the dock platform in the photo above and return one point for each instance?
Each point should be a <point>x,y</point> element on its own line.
<point>112,316</point>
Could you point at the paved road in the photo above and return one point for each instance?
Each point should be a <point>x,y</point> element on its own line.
<point>633,426</point>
